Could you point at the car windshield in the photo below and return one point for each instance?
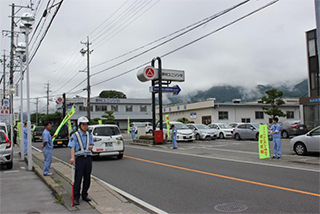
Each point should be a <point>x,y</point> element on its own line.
<point>181,126</point>
<point>224,126</point>
<point>2,138</point>
<point>106,131</point>
<point>39,128</point>
<point>3,128</point>
<point>201,126</point>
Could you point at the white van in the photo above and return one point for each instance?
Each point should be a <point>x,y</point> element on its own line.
<point>147,125</point>
<point>3,127</point>
<point>107,140</point>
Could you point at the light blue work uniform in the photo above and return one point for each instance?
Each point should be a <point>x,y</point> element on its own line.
<point>133,132</point>
<point>73,143</point>
<point>47,150</point>
<point>174,138</point>
<point>25,141</point>
<point>276,139</point>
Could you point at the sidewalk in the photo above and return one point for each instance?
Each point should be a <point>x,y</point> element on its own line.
<point>23,191</point>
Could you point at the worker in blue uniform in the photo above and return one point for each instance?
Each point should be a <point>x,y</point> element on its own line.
<point>133,131</point>
<point>47,148</point>
<point>81,143</point>
<point>25,139</point>
<point>174,136</point>
<point>276,134</point>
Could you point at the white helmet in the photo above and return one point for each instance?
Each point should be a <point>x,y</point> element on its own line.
<point>82,120</point>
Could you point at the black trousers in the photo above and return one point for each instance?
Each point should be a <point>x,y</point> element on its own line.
<point>82,170</point>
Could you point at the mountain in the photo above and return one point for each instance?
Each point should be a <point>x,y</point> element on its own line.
<point>227,93</point>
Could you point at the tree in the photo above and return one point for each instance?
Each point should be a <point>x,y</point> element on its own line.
<point>273,98</point>
<point>95,121</point>
<point>112,94</point>
<point>55,118</point>
<point>184,120</point>
<point>109,117</point>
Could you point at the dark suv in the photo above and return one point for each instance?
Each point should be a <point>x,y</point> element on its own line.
<point>37,133</point>
<point>63,136</point>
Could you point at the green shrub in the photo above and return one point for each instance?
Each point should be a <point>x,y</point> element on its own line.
<point>146,137</point>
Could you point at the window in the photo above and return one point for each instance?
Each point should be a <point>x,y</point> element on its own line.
<point>206,120</point>
<point>312,47</point>
<point>129,108</point>
<point>143,108</point>
<point>114,108</point>
<point>290,114</point>
<point>223,115</point>
<point>241,126</point>
<point>81,108</point>
<point>259,115</point>
<point>101,108</point>
<point>245,120</point>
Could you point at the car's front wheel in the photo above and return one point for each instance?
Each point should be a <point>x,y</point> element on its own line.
<point>120,156</point>
<point>300,148</point>
<point>221,136</point>
<point>284,134</point>
<point>197,137</point>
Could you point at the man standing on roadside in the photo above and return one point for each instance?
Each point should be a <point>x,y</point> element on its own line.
<point>25,139</point>
<point>276,134</point>
<point>81,143</point>
<point>47,148</point>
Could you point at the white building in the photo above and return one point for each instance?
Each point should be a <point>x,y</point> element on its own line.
<point>138,110</point>
<point>207,112</point>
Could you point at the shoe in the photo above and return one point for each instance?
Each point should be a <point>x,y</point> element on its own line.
<point>174,147</point>
<point>76,202</point>
<point>48,174</point>
<point>278,157</point>
<point>86,199</point>
<point>273,157</point>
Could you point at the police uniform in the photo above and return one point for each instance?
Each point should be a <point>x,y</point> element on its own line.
<point>83,161</point>
<point>276,128</point>
<point>47,151</point>
<point>25,139</point>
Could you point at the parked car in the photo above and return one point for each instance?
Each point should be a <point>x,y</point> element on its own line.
<point>289,128</point>
<point>246,131</point>
<point>6,151</point>
<point>63,137</point>
<point>37,133</point>
<point>183,132</point>
<point>107,140</point>
<point>3,127</point>
<point>147,125</point>
<point>309,142</point>
<point>222,129</point>
<point>233,125</point>
<point>202,132</point>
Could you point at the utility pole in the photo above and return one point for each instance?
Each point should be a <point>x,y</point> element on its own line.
<point>88,52</point>
<point>4,75</point>
<point>317,11</point>
<point>11,71</point>
<point>64,105</point>
<point>37,103</point>
<point>48,90</point>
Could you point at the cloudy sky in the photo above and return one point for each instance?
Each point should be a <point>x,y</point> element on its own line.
<point>266,47</point>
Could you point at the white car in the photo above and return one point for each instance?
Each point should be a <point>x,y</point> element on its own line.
<point>3,127</point>
<point>107,140</point>
<point>6,150</point>
<point>183,132</point>
<point>147,125</point>
<point>202,132</point>
<point>309,142</point>
<point>223,130</point>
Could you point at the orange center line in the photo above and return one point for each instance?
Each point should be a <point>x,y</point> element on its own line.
<point>223,176</point>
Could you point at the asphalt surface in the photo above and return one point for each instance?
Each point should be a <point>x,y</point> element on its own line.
<point>212,177</point>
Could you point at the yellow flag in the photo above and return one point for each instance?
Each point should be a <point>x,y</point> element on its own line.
<point>168,125</point>
<point>100,122</point>
<point>264,151</point>
<point>128,125</point>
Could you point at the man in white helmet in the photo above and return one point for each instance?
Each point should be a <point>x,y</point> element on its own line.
<point>81,143</point>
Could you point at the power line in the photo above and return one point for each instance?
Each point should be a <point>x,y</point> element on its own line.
<point>192,42</point>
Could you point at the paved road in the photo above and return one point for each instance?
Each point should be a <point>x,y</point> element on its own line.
<point>177,182</point>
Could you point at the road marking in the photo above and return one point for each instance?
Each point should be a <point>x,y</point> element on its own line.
<point>224,159</point>
<point>224,176</point>
<point>12,171</point>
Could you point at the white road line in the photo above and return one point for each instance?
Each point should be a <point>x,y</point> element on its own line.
<point>224,159</point>
<point>12,171</point>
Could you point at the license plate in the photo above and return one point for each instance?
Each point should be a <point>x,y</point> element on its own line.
<point>301,127</point>
<point>40,138</point>
<point>59,142</point>
<point>108,144</point>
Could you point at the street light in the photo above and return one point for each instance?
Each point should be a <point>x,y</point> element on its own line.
<point>27,21</point>
<point>21,50</point>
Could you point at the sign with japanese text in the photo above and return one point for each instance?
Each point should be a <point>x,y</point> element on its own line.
<point>264,151</point>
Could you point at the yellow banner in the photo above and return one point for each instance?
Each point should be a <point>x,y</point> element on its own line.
<point>128,125</point>
<point>19,129</point>
<point>64,121</point>
<point>100,122</point>
<point>168,125</point>
<point>264,151</point>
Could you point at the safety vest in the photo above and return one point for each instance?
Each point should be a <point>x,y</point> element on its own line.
<point>82,150</point>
